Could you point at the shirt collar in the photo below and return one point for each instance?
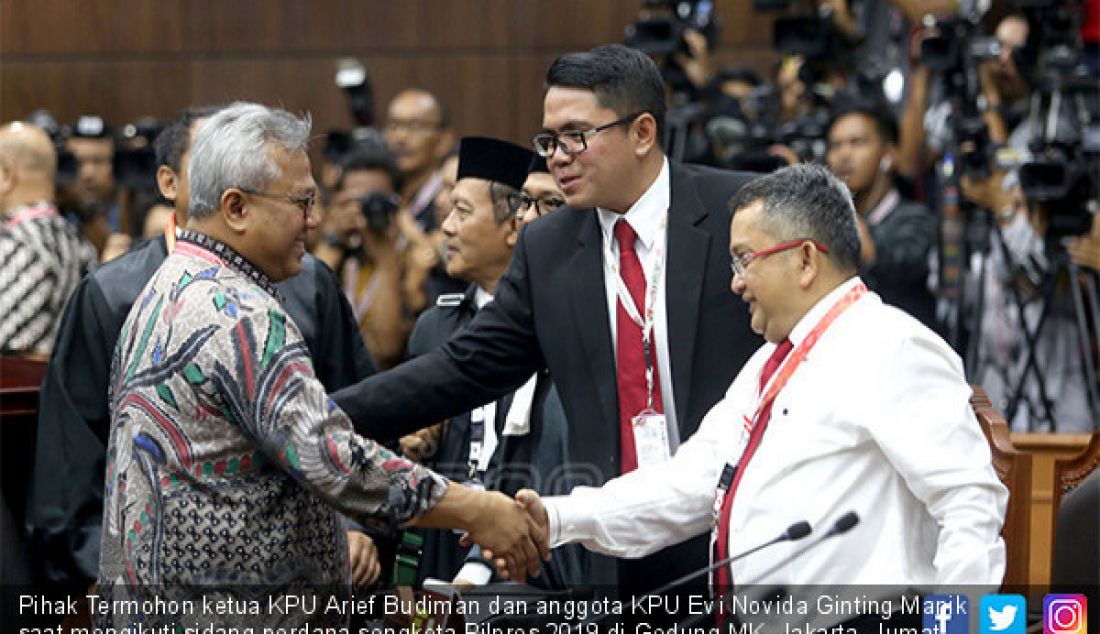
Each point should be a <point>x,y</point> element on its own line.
<point>482,297</point>
<point>232,259</point>
<point>814,315</point>
<point>644,215</point>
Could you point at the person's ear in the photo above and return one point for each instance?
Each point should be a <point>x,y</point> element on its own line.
<point>809,264</point>
<point>7,177</point>
<point>167,183</point>
<point>644,132</point>
<point>234,210</point>
<point>514,225</point>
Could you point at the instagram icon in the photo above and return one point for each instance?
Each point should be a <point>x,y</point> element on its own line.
<point>1065,614</point>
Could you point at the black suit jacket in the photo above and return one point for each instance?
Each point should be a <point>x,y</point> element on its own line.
<point>550,310</point>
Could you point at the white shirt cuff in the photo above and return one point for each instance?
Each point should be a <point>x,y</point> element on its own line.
<point>568,520</point>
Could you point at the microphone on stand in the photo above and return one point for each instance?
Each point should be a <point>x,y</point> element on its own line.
<point>842,525</point>
<point>794,532</point>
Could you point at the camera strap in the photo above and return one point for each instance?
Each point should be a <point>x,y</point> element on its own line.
<point>360,300</point>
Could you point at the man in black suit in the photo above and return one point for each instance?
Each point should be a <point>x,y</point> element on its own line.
<point>560,306</point>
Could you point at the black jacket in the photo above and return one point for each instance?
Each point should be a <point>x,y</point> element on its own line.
<point>550,311</point>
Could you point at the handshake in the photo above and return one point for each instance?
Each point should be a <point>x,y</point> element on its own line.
<point>513,534</point>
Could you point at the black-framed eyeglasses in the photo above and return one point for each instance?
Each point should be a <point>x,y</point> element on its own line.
<point>573,142</point>
<point>543,204</point>
<point>305,202</point>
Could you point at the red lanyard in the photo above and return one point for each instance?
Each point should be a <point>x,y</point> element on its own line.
<point>170,233</point>
<point>799,353</point>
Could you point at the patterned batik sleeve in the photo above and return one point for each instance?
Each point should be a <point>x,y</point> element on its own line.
<point>26,286</point>
<point>266,379</point>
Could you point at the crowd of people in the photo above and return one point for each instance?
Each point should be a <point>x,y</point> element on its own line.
<point>556,348</point>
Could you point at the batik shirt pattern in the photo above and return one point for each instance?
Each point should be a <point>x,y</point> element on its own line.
<point>226,457</point>
<point>42,258</point>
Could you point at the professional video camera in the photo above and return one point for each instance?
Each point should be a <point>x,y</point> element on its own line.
<point>1065,144</point>
<point>379,208</point>
<point>955,52</point>
<point>659,32</point>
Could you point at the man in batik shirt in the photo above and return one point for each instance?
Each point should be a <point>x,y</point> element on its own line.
<point>42,257</point>
<point>226,457</point>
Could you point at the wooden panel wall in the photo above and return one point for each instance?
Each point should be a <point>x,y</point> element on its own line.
<point>123,59</point>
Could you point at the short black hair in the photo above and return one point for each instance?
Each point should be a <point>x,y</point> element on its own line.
<point>175,139</point>
<point>370,156</point>
<point>806,201</point>
<point>623,79</point>
<point>885,122</point>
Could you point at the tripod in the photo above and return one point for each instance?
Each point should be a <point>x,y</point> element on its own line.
<point>1072,274</point>
<point>1062,269</point>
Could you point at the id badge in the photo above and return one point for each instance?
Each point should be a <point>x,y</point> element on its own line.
<point>651,438</point>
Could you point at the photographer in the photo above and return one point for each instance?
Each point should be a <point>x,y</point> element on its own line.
<point>362,235</point>
<point>896,234</point>
<point>88,195</point>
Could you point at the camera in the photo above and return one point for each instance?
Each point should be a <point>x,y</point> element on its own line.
<point>659,33</point>
<point>136,168</point>
<point>351,76</point>
<point>379,208</point>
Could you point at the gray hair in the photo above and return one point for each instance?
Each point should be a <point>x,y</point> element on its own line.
<point>806,201</point>
<point>232,149</point>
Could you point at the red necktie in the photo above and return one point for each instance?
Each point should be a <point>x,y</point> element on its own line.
<point>721,544</point>
<point>629,351</point>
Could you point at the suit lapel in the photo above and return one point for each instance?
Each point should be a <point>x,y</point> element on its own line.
<point>590,310</point>
<point>688,248</point>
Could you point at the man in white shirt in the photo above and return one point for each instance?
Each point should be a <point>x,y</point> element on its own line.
<point>871,415</point>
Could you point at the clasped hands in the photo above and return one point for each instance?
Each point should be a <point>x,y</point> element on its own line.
<point>513,534</point>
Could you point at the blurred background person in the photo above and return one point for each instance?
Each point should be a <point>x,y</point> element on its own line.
<point>896,234</point>
<point>42,257</point>
<point>89,197</point>
<point>362,243</point>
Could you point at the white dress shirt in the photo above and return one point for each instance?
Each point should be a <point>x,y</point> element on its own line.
<point>876,419</point>
<point>645,217</point>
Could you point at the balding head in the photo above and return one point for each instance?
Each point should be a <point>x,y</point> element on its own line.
<point>28,147</point>
<point>28,164</point>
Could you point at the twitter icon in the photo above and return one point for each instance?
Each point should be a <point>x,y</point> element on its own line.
<point>1003,614</point>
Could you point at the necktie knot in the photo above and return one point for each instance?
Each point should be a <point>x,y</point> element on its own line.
<point>781,351</point>
<point>624,235</point>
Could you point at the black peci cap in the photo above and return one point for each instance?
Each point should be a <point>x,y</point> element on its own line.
<point>493,160</point>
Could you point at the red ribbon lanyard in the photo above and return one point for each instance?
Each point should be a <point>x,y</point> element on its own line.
<point>170,233</point>
<point>799,353</point>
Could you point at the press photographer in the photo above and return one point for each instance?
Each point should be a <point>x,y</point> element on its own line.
<point>1044,251</point>
<point>378,251</point>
